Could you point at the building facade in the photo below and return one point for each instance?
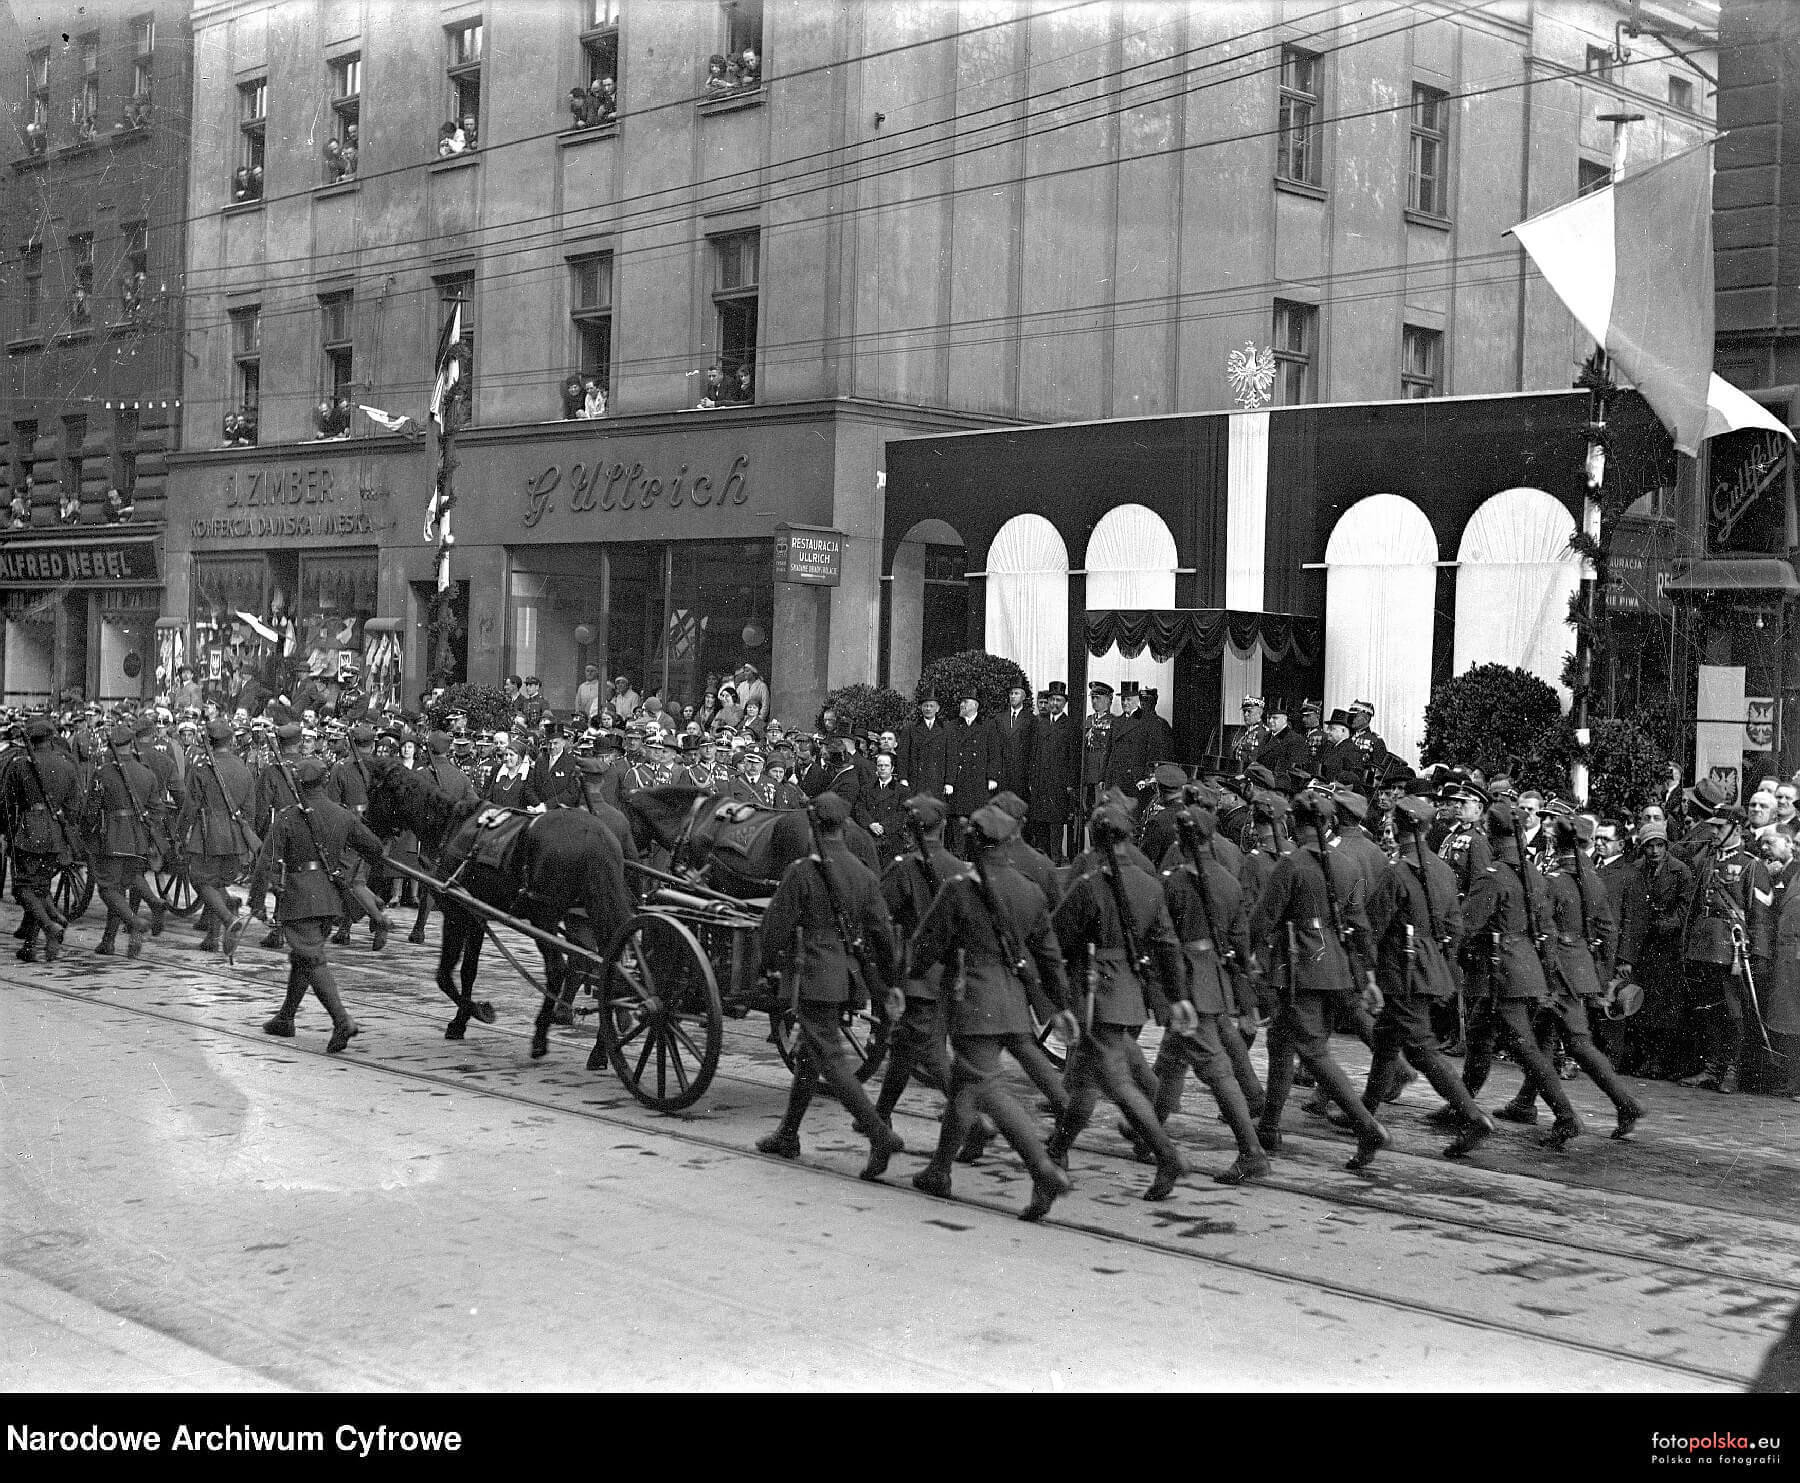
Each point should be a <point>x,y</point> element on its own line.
<point>93,243</point>
<point>713,259</point>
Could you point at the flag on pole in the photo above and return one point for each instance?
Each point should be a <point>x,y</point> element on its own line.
<point>1633,263</point>
<point>448,367</point>
<point>390,422</point>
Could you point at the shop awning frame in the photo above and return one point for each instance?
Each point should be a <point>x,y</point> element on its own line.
<point>1167,632</point>
<point>1749,576</point>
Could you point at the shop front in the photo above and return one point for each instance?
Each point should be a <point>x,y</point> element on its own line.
<point>80,617</point>
<point>277,585</point>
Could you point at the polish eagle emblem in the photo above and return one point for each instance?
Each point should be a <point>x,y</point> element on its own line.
<point>1252,374</point>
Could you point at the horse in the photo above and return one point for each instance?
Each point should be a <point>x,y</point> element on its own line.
<point>738,848</point>
<point>564,873</point>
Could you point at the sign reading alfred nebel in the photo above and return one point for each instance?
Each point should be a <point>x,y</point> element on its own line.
<point>808,554</point>
<point>85,561</point>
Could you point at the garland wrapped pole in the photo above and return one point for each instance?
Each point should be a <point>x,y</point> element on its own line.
<point>449,399</point>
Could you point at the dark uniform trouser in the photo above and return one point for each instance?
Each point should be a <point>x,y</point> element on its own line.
<point>1404,1028</point>
<point>915,1049</point>
<point>824,1055</point>
<point>1569,1014</point>
<point>1208,1051</point>
<point>1107,1058</point>
<point>976,1087</point>
<point>308,966</point>
<point>1719,1007</point>
<point>32,876</point>
<point>114,875</point>
<point>210,875</point>
<point>1489,1019</point>
<point>1302,1027</point>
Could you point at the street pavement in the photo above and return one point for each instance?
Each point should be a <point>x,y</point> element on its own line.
<point>189,1204</point>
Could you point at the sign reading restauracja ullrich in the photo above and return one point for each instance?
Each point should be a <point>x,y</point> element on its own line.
<point>810,554</point>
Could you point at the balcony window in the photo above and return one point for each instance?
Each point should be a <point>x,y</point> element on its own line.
<point>84,108</point>
<point>253,117</point>
<point>596,100</point>
<point>590,313</point>
<point>1427,187</point>
<point>81,286</point>
<point>736,271</point>
<point>134,274</point>
<point>137,107</point>
<point>1298,132</point>
<point>246,375</point>
<point>739,66</point>
<point>345,144</point>
<point>458,133</point>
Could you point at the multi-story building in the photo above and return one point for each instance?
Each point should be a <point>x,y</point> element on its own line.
<point>713,257</point>
<point>93,172</point>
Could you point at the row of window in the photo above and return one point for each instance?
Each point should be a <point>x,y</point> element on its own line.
<point>84,103</point>
<point>1296,342</point>
<point>736,271</point>
<point>594,103</point>
<point>133,282</point>
<point>72,467</point>
<point>1600,61</point>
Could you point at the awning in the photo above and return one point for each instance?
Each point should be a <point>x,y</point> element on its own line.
<point>1744,575</point>
<point>1167,632</point>
<point>384,625</point>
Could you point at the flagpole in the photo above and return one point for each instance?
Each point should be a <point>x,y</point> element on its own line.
<point>451,399</point>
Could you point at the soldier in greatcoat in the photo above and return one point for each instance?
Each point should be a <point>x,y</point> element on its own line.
<point>121,839</point>
<point>220,839</point>
<point>42,793</point>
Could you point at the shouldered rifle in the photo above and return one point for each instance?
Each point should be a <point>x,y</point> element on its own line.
<point>1139,960</point>
<point>204,763</point>
<point>1538,937</point>
<point>858,948</point>
<point>1017,963</point>
<point>1347,935</point>
<point>56,810</point>
<point>1190,850</point>
<point>137,803</point>
<point>334,870</point>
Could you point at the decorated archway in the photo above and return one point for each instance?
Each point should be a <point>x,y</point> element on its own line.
<point>1515,575</point>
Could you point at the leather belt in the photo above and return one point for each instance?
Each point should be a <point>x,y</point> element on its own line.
<point>1202,944</point>
<point>121,813</point>
<point>309,865</point>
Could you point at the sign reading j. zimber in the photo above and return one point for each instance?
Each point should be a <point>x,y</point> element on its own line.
<point>38,563</point>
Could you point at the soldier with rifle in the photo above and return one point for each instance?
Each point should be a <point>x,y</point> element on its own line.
<point>305,848</point>
<point>164,804</point>
<point>828,924</point>
<point>1115,922</point>
<point>348,785</point>
<point>1312,918</point>
<point>909,886</point>
<point>42,787</point>
<point>121,833</point>
<point>1211,920</point>
<point>275,790</point>
<point>988,931</point>
<point>220,841</point>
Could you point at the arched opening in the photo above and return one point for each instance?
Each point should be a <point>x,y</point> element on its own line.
<point>1131,564</point>
<point>928,601</point>
<point>1028,598</point>
<point>1515,575</point>
<point>1380,594</point>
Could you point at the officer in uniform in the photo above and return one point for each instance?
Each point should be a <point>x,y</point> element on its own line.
<point>220,841</point>
<point>122,839</point>
<point>820,900</point>
<point>1321,924</point>
<point>347,785</point>
<point>43,788</point>
<point>1415,920</point>
<point>306,845</point>
<point>1506,911</point>
<point>988,930</point>
<point>1730,934</point>
<point>1096,739</point>
<point>1580,956</point>
<point>1211,920</point>
<point>909,885</point>
<point>1112,911</point>
<point>1160,814</point>
<point>1373,748</point>
<point>1252,735</point>
<point>1312,727</point>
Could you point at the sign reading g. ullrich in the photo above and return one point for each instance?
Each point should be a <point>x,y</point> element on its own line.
<point>28,563</point>
<point>810,554</point>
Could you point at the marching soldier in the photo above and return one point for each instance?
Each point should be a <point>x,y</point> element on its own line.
<point>828,922</point>
<point>1114,921</point>
<point>909,886</point>
<point>348,786</point>
<point>164,804</point>
<point>218,834</point>
<point>306,845</point>
<point>122,840</point>
<point>1313,908</point>
<point>43,788</point>
<point>1580,957</point>
<point>994,926</point>
<point>275,790</point>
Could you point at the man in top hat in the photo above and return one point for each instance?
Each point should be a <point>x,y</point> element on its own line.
<point>1017,730</point>
<point>1251,735</point>
<point>1285,749</point>
<point>1055,775</point>
<point>925,749</point>
<point>1730,935</point>
<point>220,840</point>
<point>1341,761</point>
<point>42,793</point>
<point>306,845</point>
<point>820,898</point>
<point>1134,747</point>
<point>975,764</point>
<point>558,774</point>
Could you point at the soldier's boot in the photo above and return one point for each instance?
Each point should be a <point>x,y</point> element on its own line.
<point>40,917</point>
<point>324,987</point>
<point>1237,1050</point>
<point>895,1079</point>
<point>884,1142</point>
<point>784,1142</point>
<point>282,1022</point>
<point>106,947</point>
<point>341,937</point>
<point>1523,1106</point>
<point>274,939</point>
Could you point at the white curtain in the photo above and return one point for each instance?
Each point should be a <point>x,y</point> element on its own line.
<point>1380,594</point>
<point>1028,598</point>
<point>1514,578</point>
<point>1131,564</point>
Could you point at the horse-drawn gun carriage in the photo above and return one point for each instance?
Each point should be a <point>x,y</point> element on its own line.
<point>667,952</point>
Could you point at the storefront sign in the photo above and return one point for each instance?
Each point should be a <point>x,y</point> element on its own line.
<point>322,525</point>
<point>292,504</point>
<point>1749,488</point>
<point>804,553</point>
<point>619,485</point>
<point>38,564</point>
